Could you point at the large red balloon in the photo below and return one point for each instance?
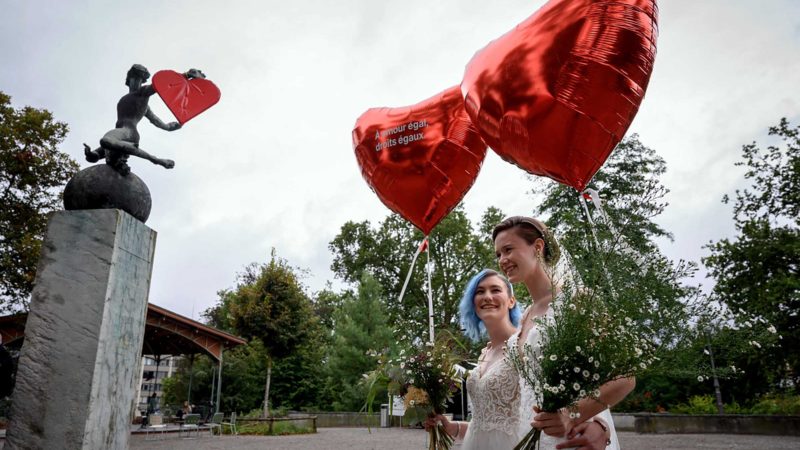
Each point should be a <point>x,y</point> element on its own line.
<point>557,93</point>
<point>420,160</point>
<point>184,97</point>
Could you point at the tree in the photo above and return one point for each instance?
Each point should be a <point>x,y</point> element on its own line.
<point>457,251</point>
<point>31,170</point>
<point>629,184</point>
<point>269,305</point>
<point>361,335</point>
<point>619,257</point>
<point>759,269</point>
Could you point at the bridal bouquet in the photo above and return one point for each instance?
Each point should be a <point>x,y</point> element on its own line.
<point>581,348</point>
<point>425,376</point>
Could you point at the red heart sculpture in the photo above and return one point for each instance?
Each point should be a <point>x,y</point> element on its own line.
<point>557,93</point>
<point>184,97</point>
<point>420,160</point>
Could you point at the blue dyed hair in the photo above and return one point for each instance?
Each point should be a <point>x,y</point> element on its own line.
<point>472,325</point>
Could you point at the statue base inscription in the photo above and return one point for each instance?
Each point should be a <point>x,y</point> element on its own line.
<point>79,366</point>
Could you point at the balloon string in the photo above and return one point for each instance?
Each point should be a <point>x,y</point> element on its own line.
<point>624,246</point>
<point>430,293</point>
<point>588,217</point>
<point>421,248</point>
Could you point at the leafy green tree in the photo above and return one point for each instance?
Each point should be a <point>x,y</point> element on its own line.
<point>268,304</point>
<point>632,195</point>
<point>758,271</point>
<point>31,170</point>
<point>457,251</point>
<point>361,335</point>
<point>618,256</point>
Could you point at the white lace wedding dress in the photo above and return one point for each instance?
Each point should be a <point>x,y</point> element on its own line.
<point>494,399</point>
<point>528,399</point>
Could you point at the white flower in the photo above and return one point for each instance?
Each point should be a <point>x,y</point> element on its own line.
<point>705,350</point>
<point>700,378</point>
<point>553,357</point>
<point>577,369</point>
<point>596,393</point>
<point>402,365</point>
<point>576,386</point>
<point>591,359</point>
<point>572,415</point>
<point>409,372</point>
<point>596,377</point>
<point>412,403</point>
<point>429,353</point>
<point>597,363</point>
<point>772,329</point>
<point>642,365</point>
<point>577,348</point>
<point>582,393</point>
<point>638,351</point>
<point>585,374</point>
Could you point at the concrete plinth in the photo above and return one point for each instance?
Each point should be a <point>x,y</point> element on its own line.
<point>79,365</point>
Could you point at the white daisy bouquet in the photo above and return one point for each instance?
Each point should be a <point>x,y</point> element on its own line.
<point>581,348</point>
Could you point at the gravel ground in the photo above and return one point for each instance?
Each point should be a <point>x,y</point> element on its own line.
<point>413,439</point>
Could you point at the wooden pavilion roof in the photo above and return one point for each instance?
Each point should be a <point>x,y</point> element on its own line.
<point>166,333</point>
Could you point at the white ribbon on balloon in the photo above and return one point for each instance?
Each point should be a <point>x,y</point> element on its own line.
<point>423,247</point>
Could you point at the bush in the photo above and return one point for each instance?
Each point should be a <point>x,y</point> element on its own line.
<point>775,404</point>
<point>770,404</point>
<point>278,429</point>
<point>698,404</point>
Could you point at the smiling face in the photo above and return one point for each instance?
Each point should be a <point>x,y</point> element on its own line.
<point>493,300</point>
<point>517,258</point>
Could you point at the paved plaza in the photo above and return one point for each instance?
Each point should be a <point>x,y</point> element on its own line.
<point>414,439</point>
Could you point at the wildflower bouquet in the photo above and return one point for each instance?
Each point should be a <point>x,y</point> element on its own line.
<point>581,349</point>
<point>424,375</point>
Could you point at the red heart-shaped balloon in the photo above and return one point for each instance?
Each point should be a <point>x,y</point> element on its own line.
<point>420,160</point>
<point>557,93</point>
<point>184,97</point>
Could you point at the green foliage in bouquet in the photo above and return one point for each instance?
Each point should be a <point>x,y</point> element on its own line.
<point>424,374</point>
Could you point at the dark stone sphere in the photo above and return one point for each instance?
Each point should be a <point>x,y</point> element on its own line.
<point>102,187</point>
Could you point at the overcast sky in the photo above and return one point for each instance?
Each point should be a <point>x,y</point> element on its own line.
<point>272,164</point>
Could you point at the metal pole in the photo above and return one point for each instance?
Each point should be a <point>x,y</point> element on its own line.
<point>213,386</point>
<point>191,378</point>
<point>219,381</point>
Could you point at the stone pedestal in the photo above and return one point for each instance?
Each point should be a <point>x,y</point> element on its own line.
<point>80,363</point>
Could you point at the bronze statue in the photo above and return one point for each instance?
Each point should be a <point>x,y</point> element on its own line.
<point>122,141</point>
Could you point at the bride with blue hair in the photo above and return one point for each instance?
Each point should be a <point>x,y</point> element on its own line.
<point>488,307</point>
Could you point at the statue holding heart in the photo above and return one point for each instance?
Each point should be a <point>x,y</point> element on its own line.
<point>176,89</point>
<point>112,185</point>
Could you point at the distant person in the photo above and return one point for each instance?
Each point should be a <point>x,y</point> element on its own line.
<point>152,404</point>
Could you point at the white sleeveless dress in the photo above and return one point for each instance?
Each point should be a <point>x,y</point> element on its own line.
<point>494,400</point>
<point>529,399</point>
